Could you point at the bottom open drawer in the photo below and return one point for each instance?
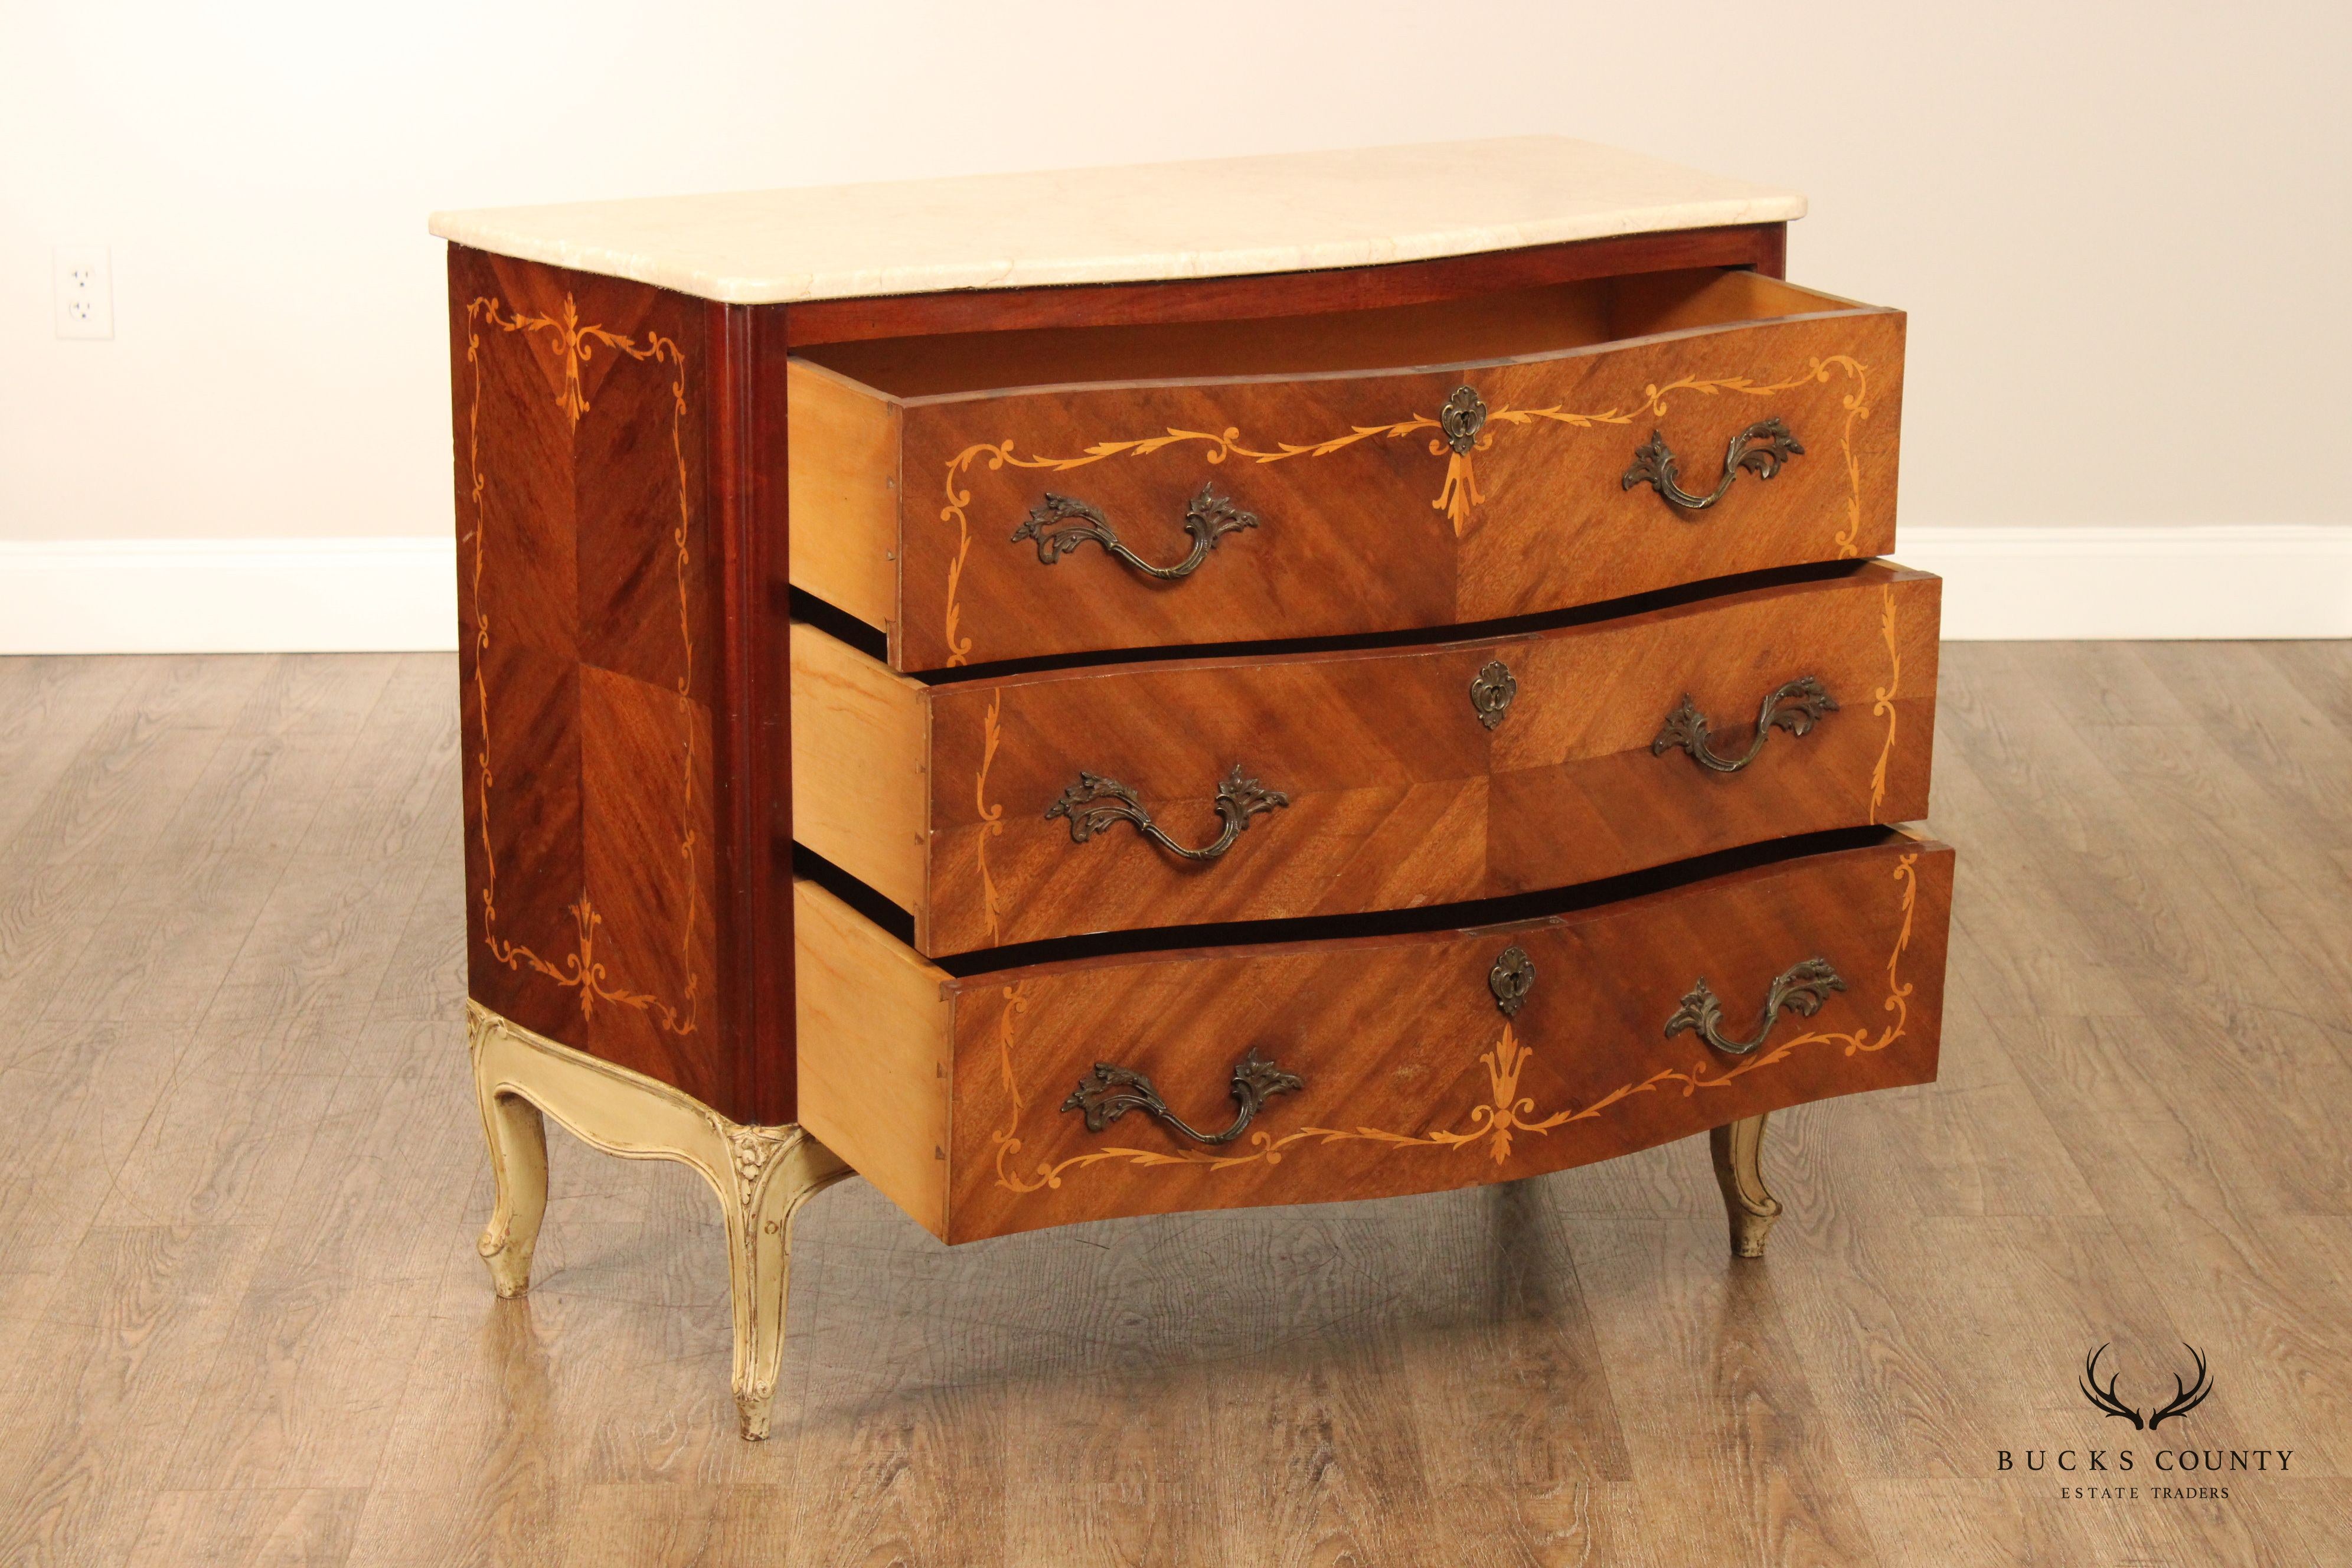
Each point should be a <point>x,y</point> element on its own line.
<point>1380,1055</point>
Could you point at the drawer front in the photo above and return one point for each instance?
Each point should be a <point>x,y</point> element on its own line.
<point>1032,807</point>
<point>1383,501</point>
<point>1389,1065</point>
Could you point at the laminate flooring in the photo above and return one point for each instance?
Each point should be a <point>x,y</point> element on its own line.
<point>242,1320</point>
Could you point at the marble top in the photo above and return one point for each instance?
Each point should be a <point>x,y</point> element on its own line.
<point>1219,217</point>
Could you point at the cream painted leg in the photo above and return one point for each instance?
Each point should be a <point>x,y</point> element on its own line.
<point>762,1174</point>
<point>1738,1170</point>
<point>777,1169</point>
<point>518,1140</point>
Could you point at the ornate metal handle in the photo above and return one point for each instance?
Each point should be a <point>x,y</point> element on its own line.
<point>1110,1091</point>
<point>1513,976</point>
<point>1065,523</point>
<point>1796,708</point>
<point>1760,448</point>
<point>1491,693</point>
<point>1094,802</point>
<point>1801,989</point>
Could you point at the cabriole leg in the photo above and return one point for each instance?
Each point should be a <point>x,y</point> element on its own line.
<point>1738,1170</point>
<point>517,1141</point>
<point>761,1175</point>
<point>776,1170</point>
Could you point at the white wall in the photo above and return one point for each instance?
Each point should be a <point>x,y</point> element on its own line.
<point>2119,229</point>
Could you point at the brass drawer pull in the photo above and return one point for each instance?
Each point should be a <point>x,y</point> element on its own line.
<point>1065,523</point>
<point>1513,976</point>
<point>1094,802</point>
<point>1491,693</point>
<point>1801,989</point>
<point>1111,1091</point>
<point>1760,448</point>
<point>1796,708</point>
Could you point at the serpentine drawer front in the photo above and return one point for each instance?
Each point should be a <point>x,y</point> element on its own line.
<point>1006,495</point>
<point>999,1099</point>
<point>1024,807</point>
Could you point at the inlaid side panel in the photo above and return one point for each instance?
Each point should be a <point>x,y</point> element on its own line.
<point>587,659</point>
<point>1412,1079</point>
<point>1384,501</point>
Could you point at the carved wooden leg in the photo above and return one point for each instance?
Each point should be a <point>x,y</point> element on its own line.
<point>518,1140</point>
<point>776,1170</point>
<point>518,1161</point>
<point>762,1174</point>
<point>1738,1170</point>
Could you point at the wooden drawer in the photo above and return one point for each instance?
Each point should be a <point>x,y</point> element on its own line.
<point>956,799</point>
<point>1497,474</point>
<point>951,1091</point>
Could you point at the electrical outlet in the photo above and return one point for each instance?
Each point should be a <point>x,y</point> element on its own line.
<point>84,292</point>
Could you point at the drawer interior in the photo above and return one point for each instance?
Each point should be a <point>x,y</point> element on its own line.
<point>1498,326</point>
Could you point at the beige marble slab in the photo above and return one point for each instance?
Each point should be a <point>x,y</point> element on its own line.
<point>1221,217</point>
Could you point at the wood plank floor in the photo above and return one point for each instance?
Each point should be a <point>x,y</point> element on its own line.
<point>242,1321</point>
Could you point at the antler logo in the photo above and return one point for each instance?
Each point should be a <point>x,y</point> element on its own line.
<point>2185,1397</point>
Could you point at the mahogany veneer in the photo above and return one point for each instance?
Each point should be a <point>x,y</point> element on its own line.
<point>1398,793</point>
<point>928,454</point>
<point>1413,1078</point>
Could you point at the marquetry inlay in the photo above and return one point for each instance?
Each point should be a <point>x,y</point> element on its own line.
<point>1490,1125</point>
<point>581,969</point>
<point>1458,494</point>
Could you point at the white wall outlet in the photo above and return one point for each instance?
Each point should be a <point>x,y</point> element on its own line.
<point>84,292</point>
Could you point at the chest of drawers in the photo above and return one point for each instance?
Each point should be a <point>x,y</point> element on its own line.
<point>1084,696</point>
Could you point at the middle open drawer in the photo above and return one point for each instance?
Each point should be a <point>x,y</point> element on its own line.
<point>1020,807</point>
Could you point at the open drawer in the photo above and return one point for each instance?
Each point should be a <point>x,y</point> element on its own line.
<point>1480,1044</point>
<point>1028,806</point>
<point>1018,494</point>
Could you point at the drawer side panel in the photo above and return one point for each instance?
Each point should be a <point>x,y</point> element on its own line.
<point>874,1027</point>
<point>843,484</point>
<point>861,794</point>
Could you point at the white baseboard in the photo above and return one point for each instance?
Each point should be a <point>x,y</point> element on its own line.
<point>2255,580</point>
<point>228,595</point>
<point>391,595</point>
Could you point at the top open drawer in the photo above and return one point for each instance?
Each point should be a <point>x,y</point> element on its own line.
<point>993,496</point>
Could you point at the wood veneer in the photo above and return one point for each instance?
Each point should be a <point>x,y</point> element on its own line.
<point>634,898</point>
<point>621,668</point>
<point>1414,1081</point>
<point>936,794</point>
<point>1366,521</point>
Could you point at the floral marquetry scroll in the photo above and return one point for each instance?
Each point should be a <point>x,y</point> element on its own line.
<point>586,720</point>
<point>1462,428</point>
<point>1508,1119</point>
